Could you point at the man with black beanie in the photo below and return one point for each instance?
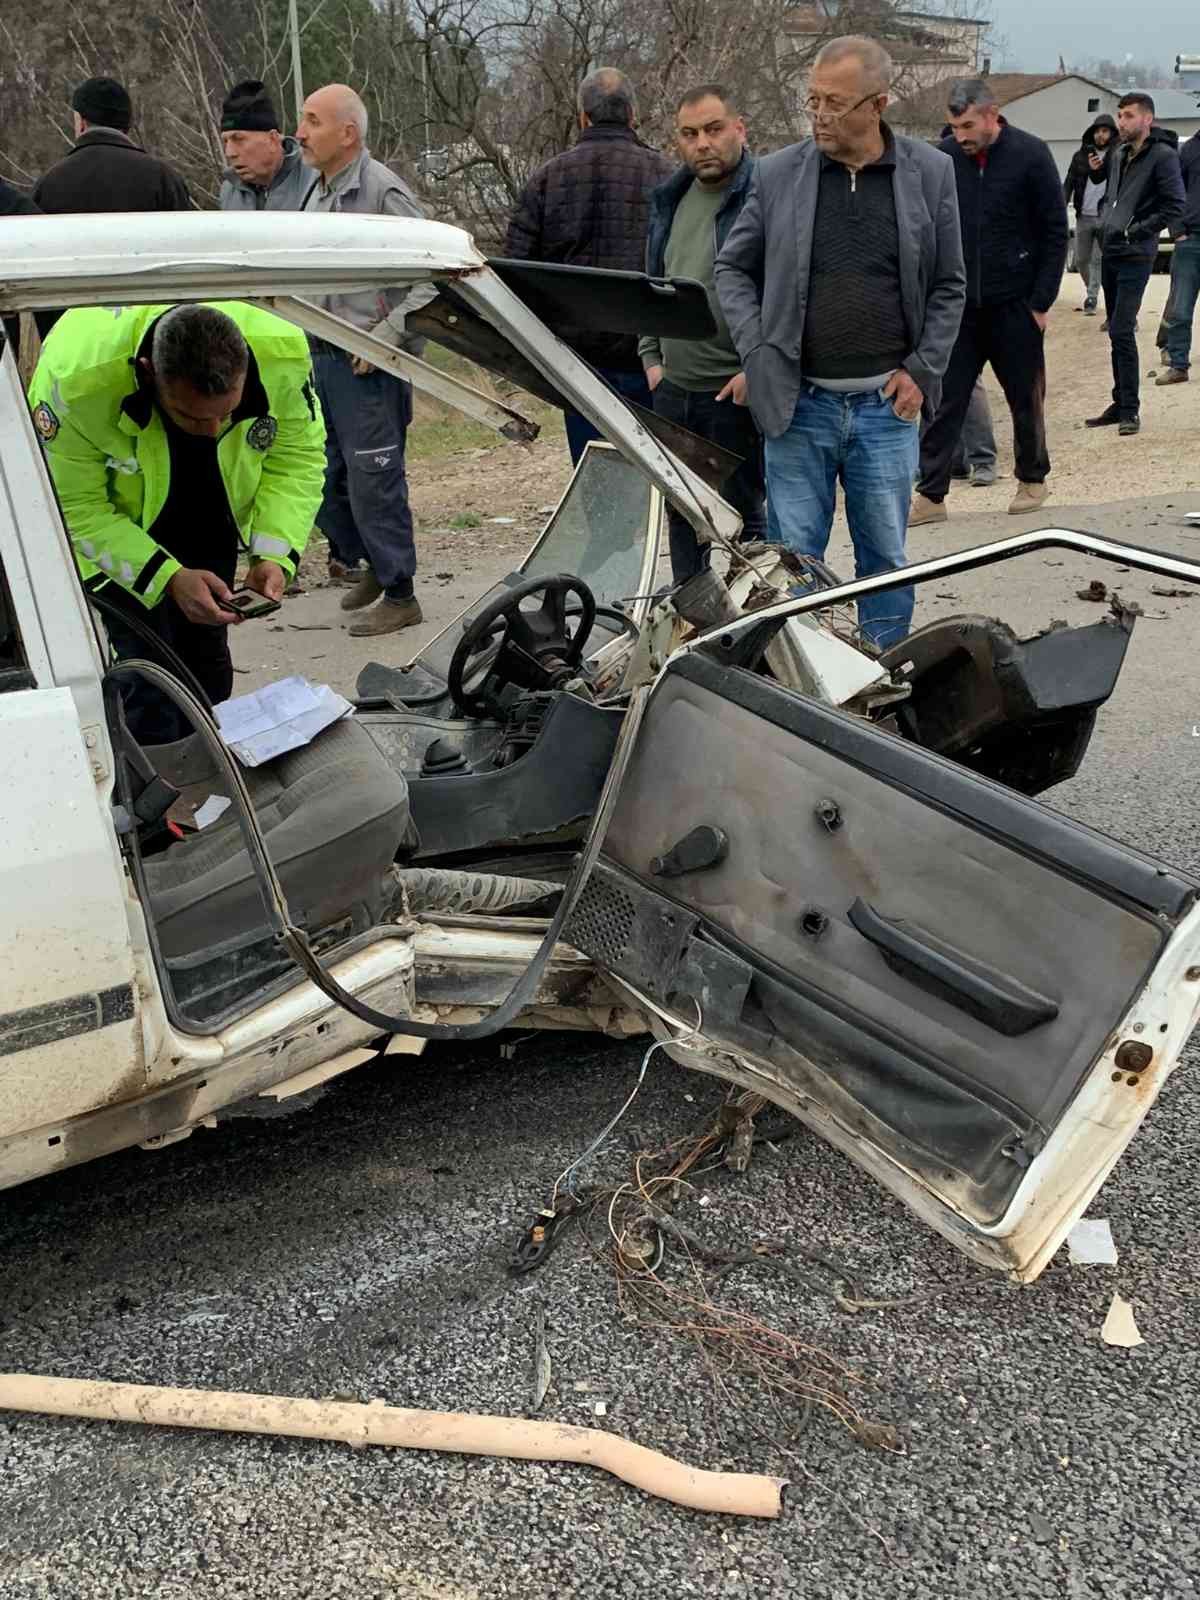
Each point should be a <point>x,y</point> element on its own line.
<point>105,170</point>
<point>266,171</point>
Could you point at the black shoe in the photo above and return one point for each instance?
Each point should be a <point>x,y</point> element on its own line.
<point>1129,425</point>
<point>1104,326</point>
<point>1107,418</point>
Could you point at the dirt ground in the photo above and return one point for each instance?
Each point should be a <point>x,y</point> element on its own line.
<point>479,506</point>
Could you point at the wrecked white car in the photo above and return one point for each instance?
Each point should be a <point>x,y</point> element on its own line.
<point>814,871</point>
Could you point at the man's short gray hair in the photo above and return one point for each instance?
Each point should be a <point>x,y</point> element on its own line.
<point>606,97</point>
<point>968,92</point>
<point>874,59</point>
<point>200,346</point>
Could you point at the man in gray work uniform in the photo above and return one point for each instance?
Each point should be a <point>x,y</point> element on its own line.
<point>365,512</point>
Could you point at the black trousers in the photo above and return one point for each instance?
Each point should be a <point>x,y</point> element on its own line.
<point>1124,279</point>
<point>733,428</point>
<point>1006,336</point>
<point>151,717</point>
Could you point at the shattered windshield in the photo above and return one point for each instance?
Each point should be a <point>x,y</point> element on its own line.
<point>599,531</point>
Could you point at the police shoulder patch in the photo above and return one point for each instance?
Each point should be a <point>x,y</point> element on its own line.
<point>262,433</point>
<point>45,421</point>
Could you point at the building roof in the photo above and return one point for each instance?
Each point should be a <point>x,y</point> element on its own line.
<point>1173,105</point>
<point>929,105</point>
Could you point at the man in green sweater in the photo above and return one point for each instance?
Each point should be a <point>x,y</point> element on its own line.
<point>699,382</point>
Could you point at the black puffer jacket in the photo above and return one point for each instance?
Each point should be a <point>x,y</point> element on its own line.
<point>1144,196</point>
<point>106,171</point>
<point>1014,220</point>
<point>590,207</point>
<point>1079,173</point>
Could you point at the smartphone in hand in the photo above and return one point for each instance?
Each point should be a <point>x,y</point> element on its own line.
<point>248,603</point>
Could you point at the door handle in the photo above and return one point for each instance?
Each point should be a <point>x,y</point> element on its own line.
<point>994,998</point>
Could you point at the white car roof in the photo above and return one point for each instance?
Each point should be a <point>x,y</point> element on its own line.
<point>145,257</point>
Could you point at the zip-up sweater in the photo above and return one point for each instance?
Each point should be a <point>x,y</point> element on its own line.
<point>1014,220</point>
<point>1144,196</point>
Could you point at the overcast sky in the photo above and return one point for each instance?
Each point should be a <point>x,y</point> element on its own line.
<point>1039,31</point>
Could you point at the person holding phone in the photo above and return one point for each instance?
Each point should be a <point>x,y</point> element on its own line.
<point>177,437</point>
<point>1083,188</point>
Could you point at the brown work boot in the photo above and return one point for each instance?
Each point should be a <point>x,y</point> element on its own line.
<point>925,510</point>
<point>364,593</point>
<point>389,616</point>
<point>1029,497</point>
<point>1171,375</point>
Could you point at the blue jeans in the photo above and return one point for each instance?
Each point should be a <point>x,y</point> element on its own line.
<point>859,440</point>
<point>632,385</point>
<point>1185,290</point>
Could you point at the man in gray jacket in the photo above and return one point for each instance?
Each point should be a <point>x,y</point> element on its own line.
<point>265,171</point>
<point>365,512</point>
<point>842,283</point>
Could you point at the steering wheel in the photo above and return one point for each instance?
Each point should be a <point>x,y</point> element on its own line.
<point>505,644</point>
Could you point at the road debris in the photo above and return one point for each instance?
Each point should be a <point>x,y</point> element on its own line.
<point>454,1432</point>
<point>1172,594</point>
<point>1119,1328</point>
<point>1094,591</point>
<point>541,1357</point>
<point>1090,1243</point>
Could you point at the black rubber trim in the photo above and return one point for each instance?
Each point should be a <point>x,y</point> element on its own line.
<point>1111,868</point>
<point>994,998</point>
<point>64,1019</point>
<point>146,576</point>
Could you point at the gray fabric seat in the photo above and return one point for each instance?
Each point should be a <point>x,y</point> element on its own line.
<point>333,815</point>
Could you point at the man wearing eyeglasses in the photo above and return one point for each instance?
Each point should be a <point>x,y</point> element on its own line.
<point>842,283</point>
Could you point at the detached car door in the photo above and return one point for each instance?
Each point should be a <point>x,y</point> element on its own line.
<point>973,996</point>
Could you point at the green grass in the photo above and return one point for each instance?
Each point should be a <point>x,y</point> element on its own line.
<point>441,430</point>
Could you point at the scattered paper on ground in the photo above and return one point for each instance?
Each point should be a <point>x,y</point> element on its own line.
<point>1119,1327</point>
<point>1090,1243</point>
<point>279,717</point>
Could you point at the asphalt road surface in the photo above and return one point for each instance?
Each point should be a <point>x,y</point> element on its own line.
<point>357,1248</point>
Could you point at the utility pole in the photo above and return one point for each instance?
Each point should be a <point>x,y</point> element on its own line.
<point>297,74</point>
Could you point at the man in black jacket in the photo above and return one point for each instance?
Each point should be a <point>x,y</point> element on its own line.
<point>1145,195</point>
<point>1086,180</point>
<point>590,207</point>
<point>1185,270</point>
<point>1014,232</point>
<point>14,204</point>
<point>105,170</point>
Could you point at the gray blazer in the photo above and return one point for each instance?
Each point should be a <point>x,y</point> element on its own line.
<point>762,272</point>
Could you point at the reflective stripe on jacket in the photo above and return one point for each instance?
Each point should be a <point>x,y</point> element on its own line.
<point>109,455</point>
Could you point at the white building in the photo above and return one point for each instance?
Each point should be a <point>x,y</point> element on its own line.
<point>1057,107</point>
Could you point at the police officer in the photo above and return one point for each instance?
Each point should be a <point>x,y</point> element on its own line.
<point>176,436</point>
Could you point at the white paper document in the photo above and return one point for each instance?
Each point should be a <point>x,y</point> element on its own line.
<point>283,716</point>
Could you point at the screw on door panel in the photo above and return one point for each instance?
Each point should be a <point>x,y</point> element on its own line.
<point>829,815</point>
<point>1134,1056</point>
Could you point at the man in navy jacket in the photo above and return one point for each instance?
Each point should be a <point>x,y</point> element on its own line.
<point>1014,233</point>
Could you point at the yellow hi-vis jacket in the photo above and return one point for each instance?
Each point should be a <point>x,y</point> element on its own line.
<point>109,454</point>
